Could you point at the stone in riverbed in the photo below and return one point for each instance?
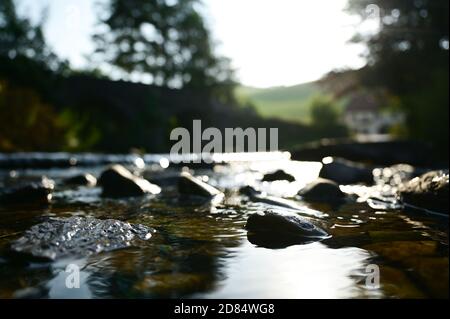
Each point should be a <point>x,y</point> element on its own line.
<point>81,180</point>
<point>79,236</point>
<point>36,193</point>
<point>322,190</point>
<point>429,191</point>
<point>189,185</point>
<point>278,175</point>
<point>117,181</point>
<point>257,196</point>
<point>275,230</point>
<point>343,171</point>
<point>425,261</point>
<point>249,191</point>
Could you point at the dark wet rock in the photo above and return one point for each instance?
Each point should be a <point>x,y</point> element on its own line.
<point>381,153</point>
<point>322,190</point>
<point>249,191</point>
<point>117,181</point>
<point>81,180</point>
<point>34,193</point>
<point>278,175</point>
<point>79,236</point>
<point>257,196</point>
<point>190,185</point>
<point>345,172</point>
<point>271,229</point>
<point>429,191</point>
<point>162,178</point>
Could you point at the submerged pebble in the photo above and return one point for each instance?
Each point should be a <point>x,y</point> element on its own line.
<point>79,236</point>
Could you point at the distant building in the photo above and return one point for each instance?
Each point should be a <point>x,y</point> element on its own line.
<point>363,115</point>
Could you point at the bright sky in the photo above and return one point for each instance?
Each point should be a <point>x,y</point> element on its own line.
<point>270,42</point>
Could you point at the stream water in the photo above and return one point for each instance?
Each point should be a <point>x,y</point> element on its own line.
<point>202,250</point>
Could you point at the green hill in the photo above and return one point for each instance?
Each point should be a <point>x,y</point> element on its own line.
<point>289,103</point>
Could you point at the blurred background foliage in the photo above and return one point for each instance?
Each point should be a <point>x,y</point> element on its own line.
<point>409,57</point>
<point>47,105</point>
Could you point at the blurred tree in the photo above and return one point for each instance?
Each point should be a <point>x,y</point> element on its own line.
<point>164,40</point>
<point>325,117</point>
<point>20,38</point>
<point>27,123</point>
<point>409,56</point>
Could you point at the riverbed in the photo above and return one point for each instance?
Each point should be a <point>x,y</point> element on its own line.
<point>202,250</point>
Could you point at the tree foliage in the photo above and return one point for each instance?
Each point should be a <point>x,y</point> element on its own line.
<point>164,40</point>
<point>325,117</point>
<point>19,38</point>
<point>409,56</point>
<point>26,122</point>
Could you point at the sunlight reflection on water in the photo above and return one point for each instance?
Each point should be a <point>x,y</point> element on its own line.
<point>202,250</point>
<point>307,271</point>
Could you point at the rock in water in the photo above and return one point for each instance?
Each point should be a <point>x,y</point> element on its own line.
<point>36,193</point>
<point>117,181</point>
<point>274,230</point>
<point>249,191</point>
<point>343,171</point>
<point>429,191</point>
<point>79,236</point>
<point>189,185</point>
<point>257,196</point>
<point>278,175</point>
<point>322,190</point>
<point>81,180</point>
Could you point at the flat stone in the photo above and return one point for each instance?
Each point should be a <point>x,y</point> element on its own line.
<point>190,185</point>
<point>117,181</point>
<point>429,191</point>
<point>322,190</point>
<point>81,180</point>
<point>79,236</point>
<point>345,172</point>
<point>275,230</point>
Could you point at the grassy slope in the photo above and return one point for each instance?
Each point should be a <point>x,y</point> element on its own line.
<point>287,103</point>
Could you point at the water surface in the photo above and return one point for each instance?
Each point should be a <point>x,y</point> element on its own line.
<point>201,250</point>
